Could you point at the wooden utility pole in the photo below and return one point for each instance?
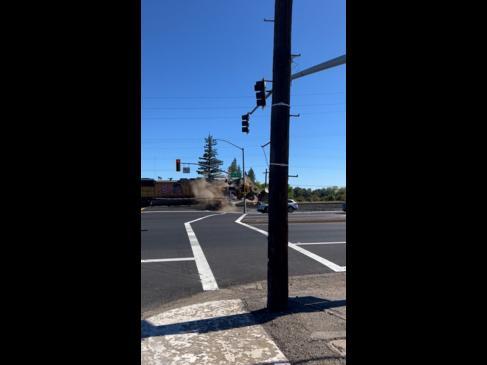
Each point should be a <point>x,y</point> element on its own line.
<point>277,269</point>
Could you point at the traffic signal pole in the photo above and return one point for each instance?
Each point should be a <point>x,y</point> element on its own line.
<point>277,267</point>
<point>311,70</point>
<point>243,167</point>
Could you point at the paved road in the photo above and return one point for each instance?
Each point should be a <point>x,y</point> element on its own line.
<point>298,217</point>
<point>216,250</point>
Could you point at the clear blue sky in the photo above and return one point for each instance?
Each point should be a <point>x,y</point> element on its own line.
<point>200,60</point>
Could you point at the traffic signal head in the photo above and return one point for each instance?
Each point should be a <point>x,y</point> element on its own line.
<point>178,165</point>
<point>245,123</point>
<point>260,93</point>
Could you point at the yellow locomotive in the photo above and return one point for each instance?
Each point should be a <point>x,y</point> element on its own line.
<point>153,189</point>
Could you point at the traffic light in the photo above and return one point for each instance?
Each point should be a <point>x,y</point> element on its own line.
<point>178,165</point>
<point>260,93</point>
<point>245,123</point>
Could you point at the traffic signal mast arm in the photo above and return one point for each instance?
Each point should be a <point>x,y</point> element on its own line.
<point>322,66</point>
<point>202,165</point>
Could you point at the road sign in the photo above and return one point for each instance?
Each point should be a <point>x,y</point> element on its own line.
<point>235,175</point>
<point>185,170</point>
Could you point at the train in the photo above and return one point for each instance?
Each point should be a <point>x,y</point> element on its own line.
<point>179,190</point>
<point>151,189</point>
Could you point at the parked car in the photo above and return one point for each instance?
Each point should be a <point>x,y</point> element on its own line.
<point>344,207</point>
<point>291,206</point>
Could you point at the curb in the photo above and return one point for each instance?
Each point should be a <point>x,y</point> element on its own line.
<point>231,324</point>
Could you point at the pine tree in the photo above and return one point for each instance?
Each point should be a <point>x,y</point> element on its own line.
<point>251,175</point>
<point>233,167</point>
<point>210,164</point>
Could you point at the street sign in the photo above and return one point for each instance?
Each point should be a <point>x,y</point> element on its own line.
<point>185,170</point>
<point>235,175</point>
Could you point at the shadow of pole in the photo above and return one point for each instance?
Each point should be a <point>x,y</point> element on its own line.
<point>295,305</point>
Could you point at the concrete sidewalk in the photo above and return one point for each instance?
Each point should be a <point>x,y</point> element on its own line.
<point>233,326</point>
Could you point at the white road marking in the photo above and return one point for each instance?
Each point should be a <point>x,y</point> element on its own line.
<point>311,255</point>
<point>206,275</point>
<point>216,332</point>
<point>239,221</point>
<point>320,259</point>
<point>321,211</point>
<point>175,211</point>
<point>300,223</point>
<point>306,212</point>
<point>168,260</point>
<point>319,243</point>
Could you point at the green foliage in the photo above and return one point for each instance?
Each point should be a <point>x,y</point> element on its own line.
<point>210,164</point>
<point>333,193</point>
<point>233,167</point>
<point>251,175</point>
<point>290,193</point>
<point>259,185</point>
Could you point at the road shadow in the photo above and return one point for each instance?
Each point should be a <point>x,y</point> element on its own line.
<point>305,304</point>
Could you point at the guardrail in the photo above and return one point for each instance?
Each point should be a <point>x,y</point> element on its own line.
<point>303,206</point>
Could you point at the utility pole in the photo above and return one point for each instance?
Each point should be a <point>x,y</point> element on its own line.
<point>243,167</point>
<point>243,172</point>
<point>265,184</point>
<point>277,267</point>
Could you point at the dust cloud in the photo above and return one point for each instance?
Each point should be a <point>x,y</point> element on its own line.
<point>211,196</point>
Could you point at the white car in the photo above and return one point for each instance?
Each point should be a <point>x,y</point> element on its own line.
<point>291,206</point>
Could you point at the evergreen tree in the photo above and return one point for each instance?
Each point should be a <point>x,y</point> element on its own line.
<point>233,167</point>
<point>251,175</point>
<point>210,164</point>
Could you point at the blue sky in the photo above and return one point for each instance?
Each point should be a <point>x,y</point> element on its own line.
<point>200,60</point>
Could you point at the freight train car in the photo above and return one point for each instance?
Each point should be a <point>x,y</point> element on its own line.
<point>180,191</point>
<point>147,188</point>
<point>152,190</point>
<point>173,189</point>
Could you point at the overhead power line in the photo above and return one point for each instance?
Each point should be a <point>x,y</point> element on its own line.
<point>235,97</point>
<point>230,107</point>
<point>226,118</point>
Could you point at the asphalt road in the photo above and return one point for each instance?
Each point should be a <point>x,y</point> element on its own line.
<point>298,217</point>
<point>218,251</point>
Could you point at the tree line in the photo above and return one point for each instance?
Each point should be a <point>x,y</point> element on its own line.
<point>210,169</point>
<point>333,193</point>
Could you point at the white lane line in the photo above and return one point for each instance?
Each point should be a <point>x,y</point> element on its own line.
<point>306,212</point>
<point>240,218</point>
<point>311,255</point>
<point>319,243</point>
<point>239,221</point>
<point>175,211</point>
<point>322,211</point>
<point>169,260</point>
<point>320,259</point>
<point>206,275</point>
